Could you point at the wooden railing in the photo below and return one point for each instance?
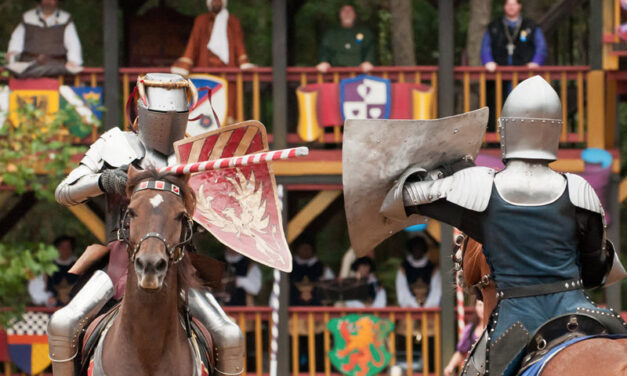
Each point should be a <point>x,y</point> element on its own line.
<point>417,333</point>
<point>475,87</point>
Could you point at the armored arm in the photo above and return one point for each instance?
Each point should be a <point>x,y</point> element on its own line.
<point>81,183</point>
<point>596,253</point>
<point>457,199</point>
<point>116,149</point>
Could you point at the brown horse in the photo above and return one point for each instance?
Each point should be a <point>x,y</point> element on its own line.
<point>147,336</point>
<point>595,356</point>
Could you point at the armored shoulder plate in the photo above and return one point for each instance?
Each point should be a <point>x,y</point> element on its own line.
<point>472,188</point>
<point>116,148</point>
<point>582,195</point>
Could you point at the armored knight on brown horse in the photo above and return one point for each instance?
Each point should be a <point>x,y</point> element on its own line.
<point>166,312</point>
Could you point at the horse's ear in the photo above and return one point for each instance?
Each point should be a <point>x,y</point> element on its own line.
<point>131,173</point>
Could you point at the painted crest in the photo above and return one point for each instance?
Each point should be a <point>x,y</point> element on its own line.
<point>42,93</point>
<point>86,102</point>
<point>360,344</point>
<point>28,343</point>
<point>365,97</point>
<point>218,87</point>
<point>239,206</point>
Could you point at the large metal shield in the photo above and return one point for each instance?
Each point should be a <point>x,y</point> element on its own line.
<point>377,152</point>
<point>239,206</point>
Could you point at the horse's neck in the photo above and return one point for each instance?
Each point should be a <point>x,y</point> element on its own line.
<point>148,322</point>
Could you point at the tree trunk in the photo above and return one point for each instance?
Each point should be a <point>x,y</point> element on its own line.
<point>403,48</point>
<point>480,13</point>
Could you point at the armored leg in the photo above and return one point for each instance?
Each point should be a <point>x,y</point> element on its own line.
<point>228,339</point>
<point>66,324</point>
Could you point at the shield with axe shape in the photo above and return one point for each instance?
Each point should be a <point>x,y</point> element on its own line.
<point>376,152</point>
<point>239,205</point>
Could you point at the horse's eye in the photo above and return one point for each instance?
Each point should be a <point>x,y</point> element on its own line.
<point>181,216</point>
<point>131,213</point>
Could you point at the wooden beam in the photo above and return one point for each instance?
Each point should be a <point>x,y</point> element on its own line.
<point>622,191</point>
<point>313,208</point>
<point>558,13</point>
<point>90,219</point>
<point>596,109</point>
<point>434,230</point>
<point>19,210</point>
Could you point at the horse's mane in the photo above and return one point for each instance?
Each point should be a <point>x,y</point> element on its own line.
<point>186,273</point>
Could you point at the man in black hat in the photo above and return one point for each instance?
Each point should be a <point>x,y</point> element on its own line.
<point>418,282</point>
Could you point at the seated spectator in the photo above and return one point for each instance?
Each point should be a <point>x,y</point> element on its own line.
<point>364,268</point>
<point>241,281</point>
<point>418,282</point>
<point>306,272</point>
<point>513,40</point>
<point>39,296</point>
<point>216,41</point>
<point>60,282</point>
<point>471,334</point>
<point>348,45</point>
<point>45,43</point>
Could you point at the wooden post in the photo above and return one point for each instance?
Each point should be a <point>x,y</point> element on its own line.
<point>446,90</point>
<point>111,84</point>
<point>596,109</point>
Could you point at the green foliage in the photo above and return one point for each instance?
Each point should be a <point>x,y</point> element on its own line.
<point>35,143</point>
<point>18,264</point>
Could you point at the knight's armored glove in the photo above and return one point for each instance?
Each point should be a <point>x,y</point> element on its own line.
<point>113,181</point>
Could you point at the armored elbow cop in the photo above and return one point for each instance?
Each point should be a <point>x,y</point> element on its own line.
<point>65,325</point>
<point>227,337</point>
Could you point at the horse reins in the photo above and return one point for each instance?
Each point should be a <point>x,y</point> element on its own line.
<point>186,235</point>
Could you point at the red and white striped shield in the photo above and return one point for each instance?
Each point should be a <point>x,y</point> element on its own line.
<point>238,205</point>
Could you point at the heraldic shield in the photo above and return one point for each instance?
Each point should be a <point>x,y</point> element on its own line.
<point>360,344</point>
<point>240,205</point>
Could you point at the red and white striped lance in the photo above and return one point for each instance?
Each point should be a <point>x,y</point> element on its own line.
<point>244,160</point>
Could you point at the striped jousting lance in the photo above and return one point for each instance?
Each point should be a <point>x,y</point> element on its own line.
<point>244,160</point>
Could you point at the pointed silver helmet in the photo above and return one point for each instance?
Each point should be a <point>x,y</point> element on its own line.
<point>531,121</point>
<point>163,109</point>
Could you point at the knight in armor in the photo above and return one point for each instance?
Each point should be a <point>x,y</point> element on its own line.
<point>45,43</point>
<point>162,113</point>
<point>418,281</point>
<point>543,232</point>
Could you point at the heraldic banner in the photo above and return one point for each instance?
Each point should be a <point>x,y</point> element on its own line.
<point>203,110</point>
<point>239,206</point>
<point>328,104</point>
<point>360,344</point>
<point>28,343</point>
<point>42,93</point>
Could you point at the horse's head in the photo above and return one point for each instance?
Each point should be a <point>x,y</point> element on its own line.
<point>157,224</point>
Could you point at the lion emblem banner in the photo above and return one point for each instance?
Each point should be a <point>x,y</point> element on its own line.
<point>360,344</point>
<point>239,206</point>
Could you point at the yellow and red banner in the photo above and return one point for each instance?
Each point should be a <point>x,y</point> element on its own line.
<point>42,93</point>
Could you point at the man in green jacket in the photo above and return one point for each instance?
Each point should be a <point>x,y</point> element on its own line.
<point>348,45</point>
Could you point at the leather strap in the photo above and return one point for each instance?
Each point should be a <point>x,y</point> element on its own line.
<point>542,289</point>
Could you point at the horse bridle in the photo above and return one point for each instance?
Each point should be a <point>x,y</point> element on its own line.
<point>186,233</point>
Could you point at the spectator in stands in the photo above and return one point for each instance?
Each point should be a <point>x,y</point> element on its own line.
<point>363,268</point>
<point>45,43</point>
<point>418,282</point>
<point>348,45</point>
<point>216,41</point>
<point>306,272</point>
<point>243,280</point>
<point>60,282</point>
<point>39,295</point>
<point>513,40</point>
<point>471,333</point>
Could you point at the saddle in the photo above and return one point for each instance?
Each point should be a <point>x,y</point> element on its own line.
<point>561,329</point>
<point>195,331</point>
